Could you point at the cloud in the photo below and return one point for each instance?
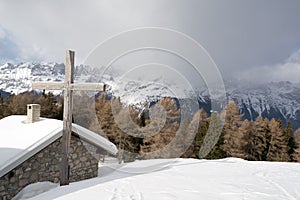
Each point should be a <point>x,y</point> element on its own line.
<point>54,26</point>
<point>13,50</point>
<point>294,58</point>
<point>2,33</point>
<point>238,35</point>
<point>9,51</point>
<point>286,71</point>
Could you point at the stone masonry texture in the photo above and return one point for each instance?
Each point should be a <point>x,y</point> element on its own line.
<point>45,166</point>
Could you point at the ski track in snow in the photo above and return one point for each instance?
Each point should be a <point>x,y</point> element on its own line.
<point>225,179</point>
<point>269,180</point>
<point>123,193</point>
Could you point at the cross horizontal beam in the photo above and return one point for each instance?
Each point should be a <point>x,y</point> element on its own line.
<point>72,86</point>
<point>48,86</point>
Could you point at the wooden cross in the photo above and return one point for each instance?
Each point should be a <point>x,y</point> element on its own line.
<point>68,87</point>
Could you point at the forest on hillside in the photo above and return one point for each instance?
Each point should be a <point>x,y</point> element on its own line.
<point>201,136</point>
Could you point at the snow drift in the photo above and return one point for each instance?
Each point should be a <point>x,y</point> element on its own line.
<point>224,179</point>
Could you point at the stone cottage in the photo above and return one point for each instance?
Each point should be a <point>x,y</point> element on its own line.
<point>30,151</point>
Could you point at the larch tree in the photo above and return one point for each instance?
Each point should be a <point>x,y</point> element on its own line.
<point>255,138</point>
<point>261,141</point>
<point>17,104</point>
<point>166,121</point>
<point>119,124</point>
<point>244,148</point>
<point>278,147</point>
<point>231,135</point>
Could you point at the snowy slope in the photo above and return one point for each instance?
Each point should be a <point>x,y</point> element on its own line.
<point>230,178</point>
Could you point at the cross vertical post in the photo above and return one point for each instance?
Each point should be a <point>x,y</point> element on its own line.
<point>67,86</point>
<point>67,117</point>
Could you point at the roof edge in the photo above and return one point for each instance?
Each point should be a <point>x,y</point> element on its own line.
<point>95,139</point>
<point>88,135</point>
<point>30,151</point>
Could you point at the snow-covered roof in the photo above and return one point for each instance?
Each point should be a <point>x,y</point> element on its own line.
<point>19,140</point>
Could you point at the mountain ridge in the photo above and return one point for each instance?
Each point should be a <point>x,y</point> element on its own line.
<point>271,100</point>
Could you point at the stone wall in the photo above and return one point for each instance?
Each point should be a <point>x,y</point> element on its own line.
<point>45,166</point>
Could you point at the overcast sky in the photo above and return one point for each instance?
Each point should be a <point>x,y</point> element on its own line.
<point>245,38</point>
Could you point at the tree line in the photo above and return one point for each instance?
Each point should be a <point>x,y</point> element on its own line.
<point>51,105</point>
<point>166,134</point>
<point>259,140</point>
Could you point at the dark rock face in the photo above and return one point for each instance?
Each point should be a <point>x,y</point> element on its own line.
<point>279,100</point>
<point>4,94</point>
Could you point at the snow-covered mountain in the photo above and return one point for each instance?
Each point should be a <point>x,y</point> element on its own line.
<point>272,100</point>
<point>275,99</point>
<point>17,78</point>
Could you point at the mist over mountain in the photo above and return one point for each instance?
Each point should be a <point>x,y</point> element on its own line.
<point>270,99</point>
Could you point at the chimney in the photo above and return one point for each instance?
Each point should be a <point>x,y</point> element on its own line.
<point>33,113</point>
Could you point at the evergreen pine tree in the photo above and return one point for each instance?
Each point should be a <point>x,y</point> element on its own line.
<point>1,107</point>
<point>142,119</point>
<point>82,110</point>
<point>212,137</point>
<point>296,154</point>
<point>185,135</point>
<point>288,131</point>
<point>48,104</point>
<point>198,125</point>
<point>1,100</point>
